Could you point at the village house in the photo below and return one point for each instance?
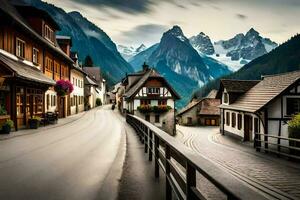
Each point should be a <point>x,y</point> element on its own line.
<point>77,79</point>
<point>203,112</point>
<point>118,92</point>
<point>31,62</point>
<point>149,96</point>
<point>89,93</point>
<point>263,107</point>
<point>94,73</point>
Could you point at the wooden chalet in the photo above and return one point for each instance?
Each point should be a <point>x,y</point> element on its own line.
<point>30,62</point>
<point>260,107</point>
<point>201,112</point>
<point>149,96</point>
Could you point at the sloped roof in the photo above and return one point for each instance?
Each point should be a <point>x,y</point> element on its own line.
<point>11,11</point>
<point>238,86</point>
<point>212,94</point>
<point>24,71</point>
<point>210,106</point>
<point>263,92</point>
<point>89,81</point>
<point>190,105</point>
<point>93,72</point>
<point>150,73</point>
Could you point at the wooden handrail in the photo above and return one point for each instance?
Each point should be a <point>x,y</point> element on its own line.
<point>293,150</point>
<point>279,137</point>
<point>190,162</point>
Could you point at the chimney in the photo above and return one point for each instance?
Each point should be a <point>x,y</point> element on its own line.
<point>145,67</point>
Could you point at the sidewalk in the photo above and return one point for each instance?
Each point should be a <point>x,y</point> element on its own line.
<point>138,180</point>
<point>61,122</point>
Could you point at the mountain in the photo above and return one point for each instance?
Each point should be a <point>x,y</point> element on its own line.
<point>176,53</point>
<point>235,52</point>
<point>129,52</point>
<point>137,61</point>
<point>88,39</point>
<point>202,44</point>
<point>284,58</point>
<point>180,63</point>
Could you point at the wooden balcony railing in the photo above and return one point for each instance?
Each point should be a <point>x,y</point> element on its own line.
<point>291,149</point>
<point>181,166</point>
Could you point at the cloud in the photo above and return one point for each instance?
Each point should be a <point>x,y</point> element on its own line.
<point>135,6</point>
<point>140,33</point>
<point>129,6</point>
<point>241,16</point>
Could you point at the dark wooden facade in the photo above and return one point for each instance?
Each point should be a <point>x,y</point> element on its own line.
<point>29,38</point>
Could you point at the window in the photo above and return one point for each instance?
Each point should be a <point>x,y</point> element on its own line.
<point>48,101</point>
<point>256,125</point>
<point>35,56</point>
<point>239,121</point>
<point>147,118</point>
<point>292,106</point>
<point>162,102</point>
<point>227,118</point>
<point>233,120</point>
<point>144,102</point>
<point>156,118</point>
<point>226,97</point>
<point>48,33</point>
<point>20,48</point>
<point>153,90</point>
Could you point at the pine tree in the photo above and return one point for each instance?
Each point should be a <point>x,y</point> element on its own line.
<point>88,61</point>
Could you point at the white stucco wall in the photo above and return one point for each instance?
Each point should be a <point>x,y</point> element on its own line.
<point>78,91</point>
<point>50,108</point>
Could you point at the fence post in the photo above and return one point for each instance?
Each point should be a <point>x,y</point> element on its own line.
<point>150,146</point>
<point>146,139</point>
<point>156,146</point>
<point>190,181</point>
<point>168,171</point>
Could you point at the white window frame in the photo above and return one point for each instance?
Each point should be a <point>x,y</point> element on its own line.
<point>35,57</point>
<point>18,49</point>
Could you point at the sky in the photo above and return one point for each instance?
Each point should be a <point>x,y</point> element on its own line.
<point>133,22</point>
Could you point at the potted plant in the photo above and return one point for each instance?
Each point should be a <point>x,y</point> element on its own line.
<point>7,126</point>
<point>294,132</point>
<point>144,108</point>
<point>63,87</point>
<point>98,102</point>
<point>34,122</point>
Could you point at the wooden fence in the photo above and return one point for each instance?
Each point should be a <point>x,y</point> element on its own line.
<point>181,166</point>
<point>290,150</point>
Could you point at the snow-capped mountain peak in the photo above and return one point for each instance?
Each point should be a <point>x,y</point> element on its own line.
<point>202,44</point>
<point>177,32</point>
<point>129,52</point>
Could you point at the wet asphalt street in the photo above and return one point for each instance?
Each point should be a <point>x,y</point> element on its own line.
<point>67,162</point>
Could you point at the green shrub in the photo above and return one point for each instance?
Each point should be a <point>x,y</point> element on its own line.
<point>98,102</point>
<point>9,123</point>
<point>3,111</point>
<point>294,126</point>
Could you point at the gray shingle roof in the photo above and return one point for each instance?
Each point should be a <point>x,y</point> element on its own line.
<point>238,86</point>
<point>263,92</point>
<point>24,71</point>
<point>190,105</point>
<point>210,106</point>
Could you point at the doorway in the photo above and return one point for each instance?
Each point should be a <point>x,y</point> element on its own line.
<point>62,106</point>
<point>247,127</point>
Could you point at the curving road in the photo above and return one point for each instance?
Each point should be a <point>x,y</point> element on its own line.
<point>67,162</point>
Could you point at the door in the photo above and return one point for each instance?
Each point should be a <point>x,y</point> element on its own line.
<point>61,110</point>
<point>247,127</point>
